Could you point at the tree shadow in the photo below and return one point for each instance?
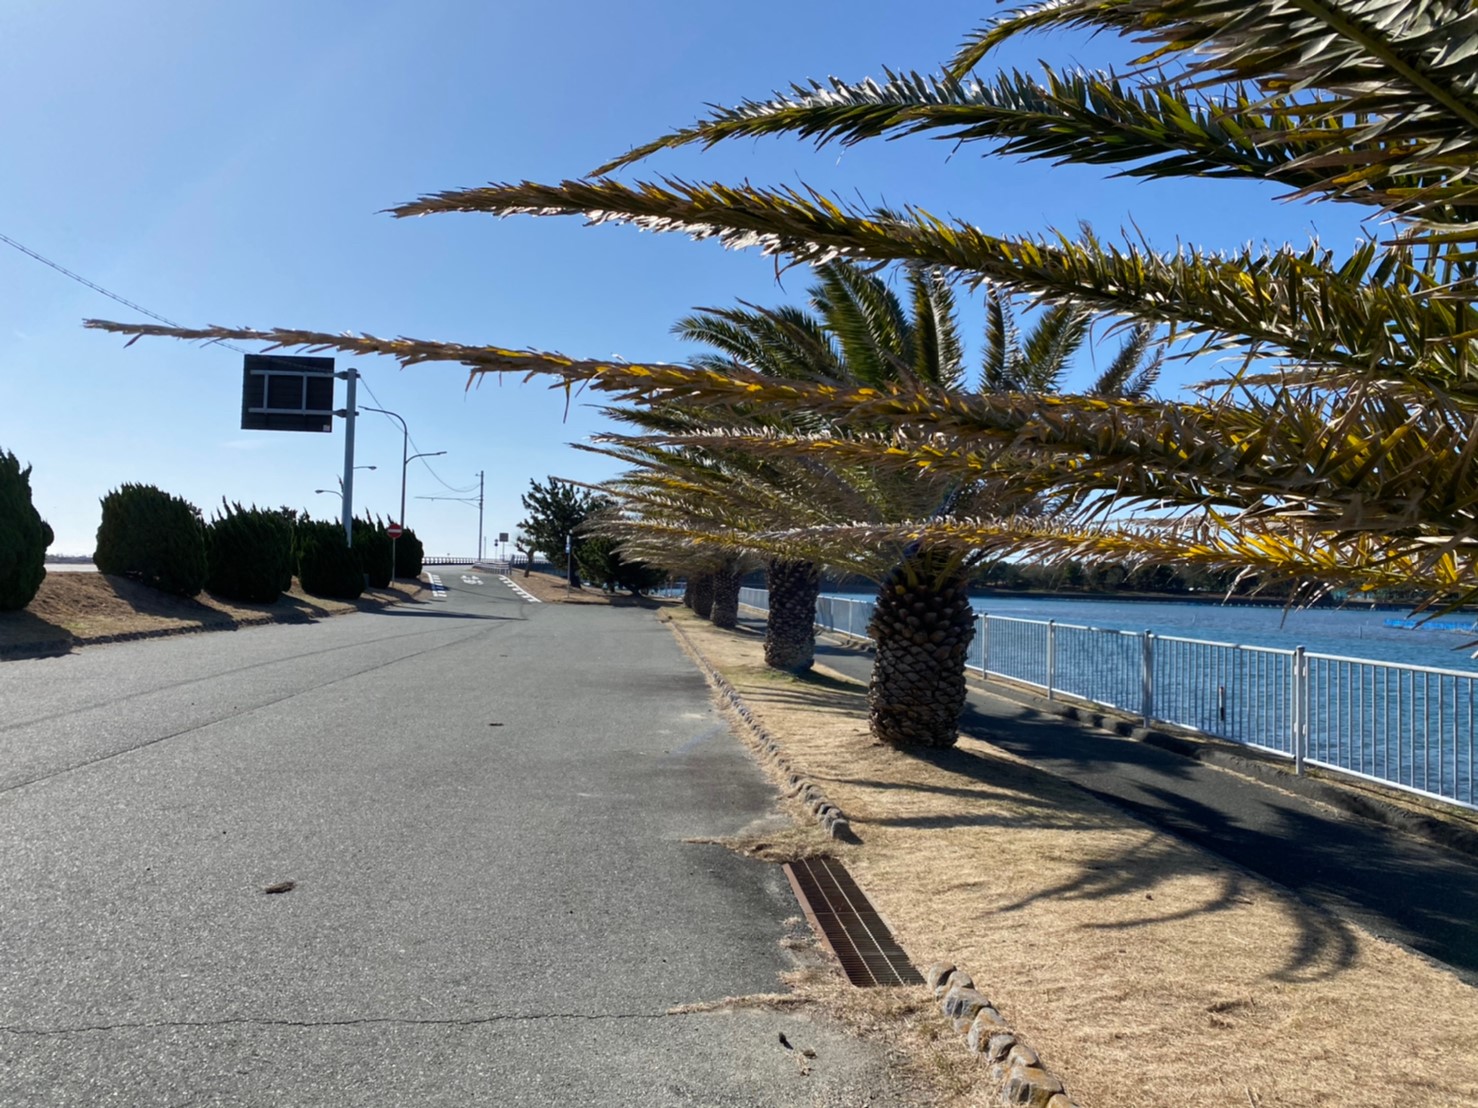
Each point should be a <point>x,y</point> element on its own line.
<point>24,634</point>
<point>1337,869</point>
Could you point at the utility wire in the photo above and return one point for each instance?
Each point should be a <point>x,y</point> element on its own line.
<point>414,443</point>
<point>64,271</point>
<point>127,303</point>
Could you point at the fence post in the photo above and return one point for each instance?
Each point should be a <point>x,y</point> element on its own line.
<point>984,618</point>
<point>1051,657</point>
<point>1147,678</point>
<point>1300,710</point>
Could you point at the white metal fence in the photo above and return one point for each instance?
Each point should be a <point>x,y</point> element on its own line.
<point>1402,725</point>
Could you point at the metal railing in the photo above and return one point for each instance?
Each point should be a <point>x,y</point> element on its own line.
<point>1411,727</point>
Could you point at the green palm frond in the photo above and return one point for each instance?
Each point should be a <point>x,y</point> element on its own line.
<point>783,342</point>
<point>1151,128</point>
<point>868,320</point>
<point>1357,465</point>
<point>1385,92</point>
<point>1259,556</point>
<point>1057,336</point>
<point>1371,312</point>
<point>1073,115</point>
<point>1135,369</point>
<point>939,354</point>
<point>1001,356</point>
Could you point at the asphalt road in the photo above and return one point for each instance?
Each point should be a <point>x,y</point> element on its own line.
<point>483,804</point>
<point>1392,884</point>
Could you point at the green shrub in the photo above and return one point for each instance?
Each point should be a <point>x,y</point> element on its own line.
<point>326,565</point>
<point>410,554</point>
<point>372,547</point>
<point>249,554</point>
<point>600,564</point>
<point>24,537</point>
<point>152,537</point>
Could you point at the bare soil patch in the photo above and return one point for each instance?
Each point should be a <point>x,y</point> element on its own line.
<point>1145,971</point>
<point>73,609</point>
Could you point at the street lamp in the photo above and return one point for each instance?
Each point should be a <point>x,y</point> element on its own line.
<point>405,460</point>
<point>339,492</point>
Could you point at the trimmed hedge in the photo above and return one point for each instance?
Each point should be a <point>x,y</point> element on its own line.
<point>410,555</point>
<point>372,548</point>
<point>24,537</point>
<point>326,565</point>
<point>249,554</point>
<point>154,538</point>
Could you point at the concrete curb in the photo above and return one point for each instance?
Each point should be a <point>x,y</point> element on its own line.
<point>827,814</point>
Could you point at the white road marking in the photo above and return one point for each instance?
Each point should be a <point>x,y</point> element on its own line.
<point>438,590</point>
<point>514,586</point>
<point>471,579</point>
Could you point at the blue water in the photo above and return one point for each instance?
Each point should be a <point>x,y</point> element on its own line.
<point>1346,632</point>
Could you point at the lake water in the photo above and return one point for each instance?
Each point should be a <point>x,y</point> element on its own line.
<point>1348,632</point>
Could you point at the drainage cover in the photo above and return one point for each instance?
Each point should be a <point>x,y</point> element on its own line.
<point>848,924</point>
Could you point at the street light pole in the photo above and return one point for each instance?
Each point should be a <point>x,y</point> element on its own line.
<point>405,460</point>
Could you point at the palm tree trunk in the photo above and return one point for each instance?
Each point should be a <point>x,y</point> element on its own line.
<point>922,626</point>
<point>703,595</point>
<point>726,580</point>
<point>790,629</point>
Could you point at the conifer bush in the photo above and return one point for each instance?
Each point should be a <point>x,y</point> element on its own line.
<point>249,554</point>
<point>326,565</point>
<point>372,547</point>
<point>24,537</point>
<point>410,554</point>
<point>152,537</point>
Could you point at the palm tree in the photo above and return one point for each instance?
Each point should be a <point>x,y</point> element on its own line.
<point>864,334</point>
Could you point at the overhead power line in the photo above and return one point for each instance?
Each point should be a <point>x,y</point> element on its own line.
<point>127,303</point>
<point>109,293</point>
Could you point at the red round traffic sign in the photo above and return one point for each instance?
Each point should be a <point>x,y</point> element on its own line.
<point>394,530</point>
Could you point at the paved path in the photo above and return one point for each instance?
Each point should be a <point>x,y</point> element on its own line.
<point>484,806</point>
<point>1392,884</point>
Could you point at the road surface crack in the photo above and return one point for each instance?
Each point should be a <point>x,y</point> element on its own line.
<point>361,1021</point>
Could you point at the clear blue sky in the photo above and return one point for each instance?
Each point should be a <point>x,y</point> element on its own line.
<point>226,163</point>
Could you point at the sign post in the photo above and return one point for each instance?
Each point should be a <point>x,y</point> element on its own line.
<point>352,376</point>
<point>395,530</point>
<point>282,392</point>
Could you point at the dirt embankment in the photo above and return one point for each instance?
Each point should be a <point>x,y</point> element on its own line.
<point>76,609</point>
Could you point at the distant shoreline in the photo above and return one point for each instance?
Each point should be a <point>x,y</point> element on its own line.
<point>1204,599</point>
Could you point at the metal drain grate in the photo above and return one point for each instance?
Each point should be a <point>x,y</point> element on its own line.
<point>849,925</point>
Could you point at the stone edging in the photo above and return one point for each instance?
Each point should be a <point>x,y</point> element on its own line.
<point>827,814</point>
<point>1016,1066</point>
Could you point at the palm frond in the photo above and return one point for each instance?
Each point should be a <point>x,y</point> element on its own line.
<point>1369,313</point>
<point>868,320</point>
<point>939,354</point>
<point>1130,373</point>
<point>1385,92</point>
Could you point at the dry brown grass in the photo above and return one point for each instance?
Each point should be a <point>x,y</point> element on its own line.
<point>1143,970</point>
<point>74,608</point>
